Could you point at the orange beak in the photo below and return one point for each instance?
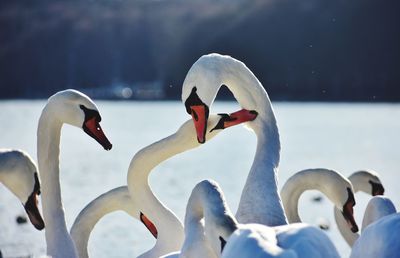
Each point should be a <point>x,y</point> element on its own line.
<point>349,217</point>
<point>241,116</point>
<point>93,129</point>
<point>200,115</point>
<point>149,225</point>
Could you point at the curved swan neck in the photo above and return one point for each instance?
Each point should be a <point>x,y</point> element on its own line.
<point>323,180</point>
<point>149,157</point>
<point>48,137</point>
<point>163,218</point>
<point>116,199</point>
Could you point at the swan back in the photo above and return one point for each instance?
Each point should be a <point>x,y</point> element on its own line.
<point>305,240</point>
<point>19,173</point>
<point>255,240</point>
<point>377,208</point>
<point>379,239</point>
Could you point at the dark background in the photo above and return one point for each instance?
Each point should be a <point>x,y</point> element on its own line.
<point>324,50</point>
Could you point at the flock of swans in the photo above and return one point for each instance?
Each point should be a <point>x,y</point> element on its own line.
<point>266,224</point>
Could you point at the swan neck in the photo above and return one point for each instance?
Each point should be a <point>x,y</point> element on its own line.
<point>48,137</point>
<point>265,207</point>
<point>114,200</point>
<point>163,218</point>
<point>149,157</point>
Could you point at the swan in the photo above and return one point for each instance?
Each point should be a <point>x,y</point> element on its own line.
<point>260,201</point>
<point>211,229</point>
<point>368,182</point>
<point>144,205</point>
<point>379,237</point>
<point>18,172</point>
<point>77,109</point>
<point>330,182</point>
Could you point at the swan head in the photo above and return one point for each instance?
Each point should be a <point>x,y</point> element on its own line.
<point>19,174</point>
<point>215,125</point>
<point>200,88</point>
<point>367,181</point>
<point>336,187</point>
<point>348,212</point>
<point>340,192</point>
<point>77,109</point>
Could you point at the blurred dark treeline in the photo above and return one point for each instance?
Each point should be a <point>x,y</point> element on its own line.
<point>336,50</point>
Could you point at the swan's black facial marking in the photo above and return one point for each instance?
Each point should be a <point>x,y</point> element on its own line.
<point>149,225</point>
<point>347,211</point>
<point>223,243</point>
<point>92,127</point>
<point>193,100</point>
<point>221,123</point>
<point>90,113</point>
<point>377,188</point>
<point>31,206</point>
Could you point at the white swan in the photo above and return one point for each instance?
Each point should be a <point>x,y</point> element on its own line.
<point>260,201</point>
<point>18,172</point>
<point>164,224</point>
<point>381,225</point>
<point>368,182</point>
<point>76,109</point>
<point>210,223</point>
<point>331,183</point>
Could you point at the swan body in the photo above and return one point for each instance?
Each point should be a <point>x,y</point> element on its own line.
<point>330,182</point>
<point>260,200</point>
<point>381,225</point>
<point>142,204</point>
<point>74,108</point>
<point>213,221</point>
<point>18,172</point>
<point>367,181</point>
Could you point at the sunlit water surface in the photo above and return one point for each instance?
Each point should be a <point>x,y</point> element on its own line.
<point>345,137</point>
